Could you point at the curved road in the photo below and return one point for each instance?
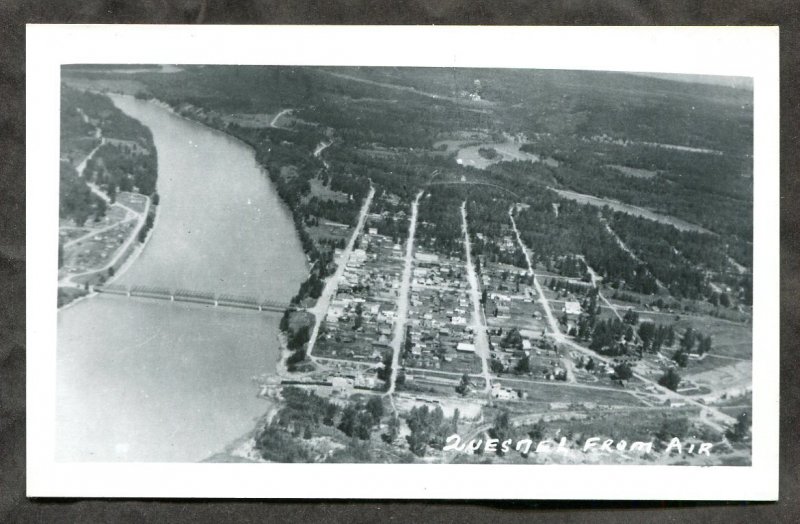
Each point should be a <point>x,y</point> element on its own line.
<point>708,411</point>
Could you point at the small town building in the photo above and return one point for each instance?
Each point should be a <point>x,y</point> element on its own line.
<point>572,308</point>
<point>465,347</point>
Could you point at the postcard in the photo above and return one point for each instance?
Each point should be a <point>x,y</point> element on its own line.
<point>402,262</point>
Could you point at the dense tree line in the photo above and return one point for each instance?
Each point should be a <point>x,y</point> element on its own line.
<point>557,284</point>
<point>114,167</point>
<point>76,201</point>
<point>439,220</point>
<point>577,230</point>
<point>722,204</point>
<point>487,212</point>
<point>428,428</point>
<point>117,167</point>
<point>356,114</point>
<point>77,135</point>
<point>302,412</point>
<point>680,259</point>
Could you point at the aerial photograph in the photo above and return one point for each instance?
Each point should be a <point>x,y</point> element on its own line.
<point>275,264</point>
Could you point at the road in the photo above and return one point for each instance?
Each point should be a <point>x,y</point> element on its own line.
<point>707,411</point>
<point>478,324</point>
<point>131,215</point>
<point>625,248</point>
<point>98,133</point>
<point>551,319</point>
<point>473,183</point>
<point>402,301</point>
<point>322,146</point>
<point>69,280</point>
<point>274,122</point>
<point>332,283</point>
<point>94,232</point>
<point>407,89</point>
<point>82,166</point>
<point>739,268</point>
<point>595,278</point>
<point>729,358</point>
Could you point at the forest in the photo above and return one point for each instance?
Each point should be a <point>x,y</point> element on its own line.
<point>588,122</point>
<point>577,231</point>
<point>76,201</point>
<point>680,259</point>
<point>127,161</point>
<point>306,415</point>
<point>120,167</point>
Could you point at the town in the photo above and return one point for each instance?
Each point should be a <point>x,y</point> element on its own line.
<point>489,272</point>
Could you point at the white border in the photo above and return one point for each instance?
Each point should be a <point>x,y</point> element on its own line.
<point>751,51</point>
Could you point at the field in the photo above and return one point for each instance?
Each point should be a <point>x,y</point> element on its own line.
<point>250,120</point>
<point>323,192</point>
<point>506,152</point>
<point>729,339</point>
<point>630,209</point>
<point>634,172</point>
<point>552,391</point>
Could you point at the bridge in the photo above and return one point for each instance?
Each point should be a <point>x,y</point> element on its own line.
<point>195,297</point>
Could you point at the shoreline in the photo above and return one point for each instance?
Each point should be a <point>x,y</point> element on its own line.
<point>167,107</point>
<point>129,260</point>
<point>242,448</point>
<point>164,105</point>
<point>243,443</point>
<point>239,448</point>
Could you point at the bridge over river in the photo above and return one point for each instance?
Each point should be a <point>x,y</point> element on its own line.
<point>195,297</point>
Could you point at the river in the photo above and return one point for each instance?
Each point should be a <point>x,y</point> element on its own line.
<point>144,380</point>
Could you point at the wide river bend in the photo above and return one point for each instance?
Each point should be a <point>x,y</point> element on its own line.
<point>146,380</point>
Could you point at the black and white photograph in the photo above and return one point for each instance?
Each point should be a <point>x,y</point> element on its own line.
<point>461,267</point>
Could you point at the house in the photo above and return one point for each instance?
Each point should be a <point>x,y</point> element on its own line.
<point>465,347</point>
<point>501,297</point>
<point>572,308</point>
<point>334,314</point>
<point>502,393</point>
<point>362,381</point>
<point>341,384</point>
<point>426,258</point>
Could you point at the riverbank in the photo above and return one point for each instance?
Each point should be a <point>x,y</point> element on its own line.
<point>129,252</point>
<point>243,449</point>
<point>178,382</point>
<point>194,118</point>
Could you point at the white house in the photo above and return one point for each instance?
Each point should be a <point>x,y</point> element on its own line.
<point>465,347</point>
<point>572,308</point>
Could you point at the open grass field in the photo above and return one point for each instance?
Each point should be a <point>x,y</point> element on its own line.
<point>634,172</point>
<point>553,391</point>
<point>631,210</point>
<point>732,379</point>
<point>323,192</point>
<point>729,339</point>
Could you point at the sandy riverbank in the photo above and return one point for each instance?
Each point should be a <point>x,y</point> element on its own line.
<point>243,449</point>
